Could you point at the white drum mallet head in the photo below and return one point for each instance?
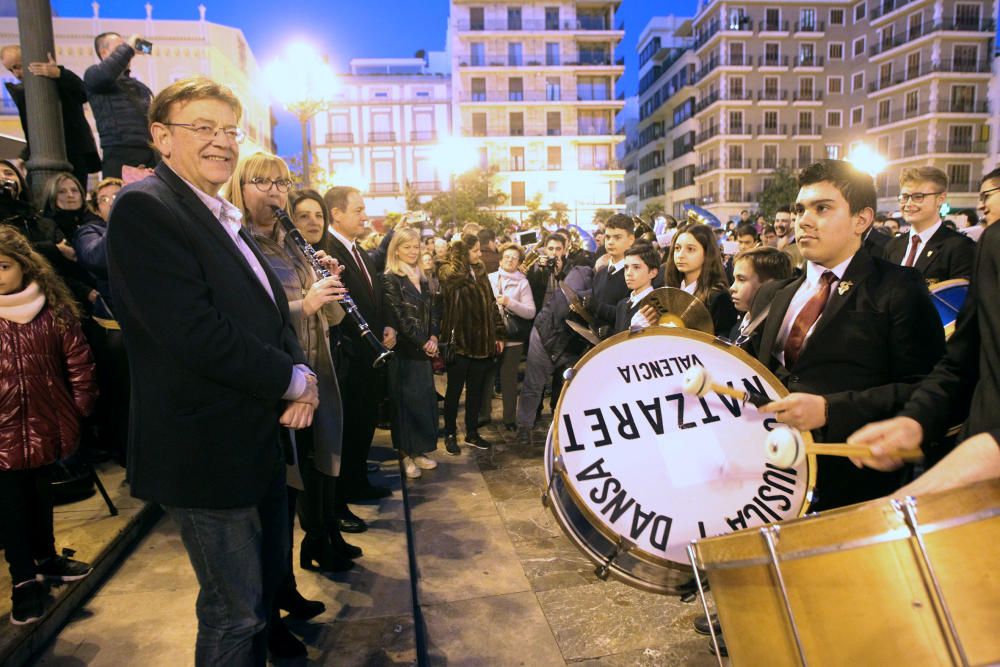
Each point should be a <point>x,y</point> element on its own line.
<point>696,381</point>
<point>785,448</point>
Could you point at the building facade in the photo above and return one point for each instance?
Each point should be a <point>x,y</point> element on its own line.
<point>533,89</point>
<point>778,86</point>
<point>180,49</point>
<point>382,133</point>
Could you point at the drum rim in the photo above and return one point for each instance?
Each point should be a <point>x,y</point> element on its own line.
<point>693,334</point>
<point>946,284</point>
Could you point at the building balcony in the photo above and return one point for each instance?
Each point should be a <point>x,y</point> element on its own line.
<point>772,95</point>
<point>807,96</point>
<point>737,165</point>
<point>960,66</point>
<point>886,7</point>
<point>962,106</point>
<point>941,146</point>
<point>738,60</point>
<point>583,24</point>
<point>772,61</point>
<point>899,115</point>
<point>812,29</point>
<point>706,167</point>
<point>917,32</point>
<point>711,31</point>
<point>541,96</point>
<point>772,131</point>
<point>803,131</point>
<point>706,135</point>
<point>339,138</point>
<point>423,135</point>
<point>804,62</point>
<point>772,26</point>
<point>381,137</point>
<point>771,165</point>
<point>740,197</point>
<point>383,188</point>
<point>705,70</point>
<point>426,187</point>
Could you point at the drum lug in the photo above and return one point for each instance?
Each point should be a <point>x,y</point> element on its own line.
<point>557,467</point>
<point>622,546</point>
<point>569,374</point>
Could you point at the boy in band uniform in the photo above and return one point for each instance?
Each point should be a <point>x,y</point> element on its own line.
<point>641,266</point>
<point>752,269</point>
<point>609,280</point>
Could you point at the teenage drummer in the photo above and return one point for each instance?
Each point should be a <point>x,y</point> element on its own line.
<point>641,265</point>
<point>851,336</point>
<point>930,247</point>
<point>964,385</point>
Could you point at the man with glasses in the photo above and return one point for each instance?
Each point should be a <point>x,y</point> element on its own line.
<point>930,247</point>
<point>965,384</point>
<point>217,367</point>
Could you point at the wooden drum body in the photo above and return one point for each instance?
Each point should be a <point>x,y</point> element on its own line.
<point>902,582</point>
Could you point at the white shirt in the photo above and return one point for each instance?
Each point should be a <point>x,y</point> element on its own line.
<point>925,236</point>
<point>350,245</point>
<point>689,288</point>
<point>805,292</point>
<point>638,321</point>
<point>616,267</point>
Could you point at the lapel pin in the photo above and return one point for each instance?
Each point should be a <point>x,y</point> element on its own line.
<point>930,252</point>
<point>844,287</point>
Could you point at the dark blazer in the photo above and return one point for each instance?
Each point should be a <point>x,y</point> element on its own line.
<point>972,362</point>
<point>608,291</point>
<point>946,255</point>
<point>624,312</point>
<point>210,354</point>
<point>720,307</point>
<point>874,243</point>
<point>411,313</point>
<point>875,341</point>
<point>353,354</point>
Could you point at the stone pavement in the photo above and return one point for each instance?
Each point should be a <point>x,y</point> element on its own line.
<point>497,584</point>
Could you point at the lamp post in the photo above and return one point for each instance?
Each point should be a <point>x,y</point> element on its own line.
<point>304,84</point>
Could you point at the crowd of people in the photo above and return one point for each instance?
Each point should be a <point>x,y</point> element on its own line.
<point>240,390</point>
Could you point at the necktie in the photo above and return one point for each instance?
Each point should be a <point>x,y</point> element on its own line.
<point>912,256</point>
<point>806,318</point>
<point>361,265</point>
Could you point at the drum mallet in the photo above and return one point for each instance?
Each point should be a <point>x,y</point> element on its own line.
<point>785,448</point>
<point>697,381</point>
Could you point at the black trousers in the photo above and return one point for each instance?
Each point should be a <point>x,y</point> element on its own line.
<point>26,520</point>
<point>361,394</point>
<point>469,374</point>
<point>317,503</point>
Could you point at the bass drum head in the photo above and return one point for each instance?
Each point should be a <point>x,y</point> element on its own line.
<point>948,297</point>
<point>637,469</point>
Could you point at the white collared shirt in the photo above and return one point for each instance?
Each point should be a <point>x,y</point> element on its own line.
<point>638,321</point>
<point>805,292</point>
<point>616,267</point>
<point>925,236</point>
<point>689,287</point>
<point>351,248</point>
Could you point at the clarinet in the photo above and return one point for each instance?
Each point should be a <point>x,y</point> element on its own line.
<point>382,353</point>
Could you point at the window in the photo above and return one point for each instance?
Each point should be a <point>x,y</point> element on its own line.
<point>912,102</point>
<point>965,57</point>
<point>594,156</point>
<point>960,177</point>
<point>806,89</point>
<point>960,139</point>
<point>859,12</point>
<point>807,19</point>
<point>734,188</point>
<point>771,121</point>
<point>770,156</point>
<point>887,33</point>
<point>835,51</point>
<point>771,87</point>
<point>513,18</point>
<point>476,21</point>
<point>552,54</point>
<point>967,16</point>
<point>551,18</point>
<point>858,47</point>
<point>515,89</point>
<point>479,125</point>
<point>832,151</point>
<point>916,24</point>
<point>834,85</point>
<point>477,54</point>
<point>594,123</point>
<point>836,17</point>
<point>909,143</point>
<point>735,91</point>
<point>593,88</point>
<point>515,54</point>
<point>772,54</point>
<point>807,54</point>
<point>884,111</point>
<point>735,156</point>
<point>553,90</point>
<point>805,154</point>
<point>857,116</point>
<point>517,124</point>
<point>882,145</point>
<point>517,193</point>
<point>553,156</point>
<point>857,81</point>
<point>553,123</point>
<point>833,119</point>
<point>737,18</point>
<point>735,122</point>
<point>772,19</point>
<point>913,65</point>
<point>963,99</point>
<point>478,90</point>
<point>517,158</point>
<point>381,94</point>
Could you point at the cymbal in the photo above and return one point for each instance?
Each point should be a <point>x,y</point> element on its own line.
<point>584,331</point>
<point>575,303</point>
<point>677,308</point>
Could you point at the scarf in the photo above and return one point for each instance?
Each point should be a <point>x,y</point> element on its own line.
<point>412,273</point>
<point>22,307</point>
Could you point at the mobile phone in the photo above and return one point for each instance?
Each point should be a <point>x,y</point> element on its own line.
<point>730,247</point>
<point>527,238</point>
<point>143,46</point>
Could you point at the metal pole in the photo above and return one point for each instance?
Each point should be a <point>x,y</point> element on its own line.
<point>304,120</point>
<point>45,132</point>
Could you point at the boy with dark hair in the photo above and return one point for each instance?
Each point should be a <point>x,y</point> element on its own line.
<point>746,237</point>
<point>609,279</point>
<point>752,269</point>
<point>641,266</point>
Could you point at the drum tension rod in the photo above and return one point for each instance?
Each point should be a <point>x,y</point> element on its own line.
<point>622,546</point>
<point>557,466</point>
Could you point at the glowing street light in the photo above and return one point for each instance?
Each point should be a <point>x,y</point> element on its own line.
<point>455,155</point>
<point>865,158</point>
<point>302,81</point>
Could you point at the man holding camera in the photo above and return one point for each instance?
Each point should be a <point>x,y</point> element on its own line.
<point>120,104</point>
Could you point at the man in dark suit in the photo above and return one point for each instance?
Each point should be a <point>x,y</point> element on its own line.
<point>81,151</point>
<point>362,387</point>
<point>964,386</point>
<point>216,368</point>
<point>851,337</point>
<point>609,280</point>
<point>937,252</point>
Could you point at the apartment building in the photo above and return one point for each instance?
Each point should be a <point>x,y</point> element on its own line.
<point>382,129</point>
<point>180,49</point>
<point>533,86</point>
<point>779,85</point>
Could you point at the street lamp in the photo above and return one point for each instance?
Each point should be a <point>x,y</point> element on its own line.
<point>302,81</point>
<point>865,158</point>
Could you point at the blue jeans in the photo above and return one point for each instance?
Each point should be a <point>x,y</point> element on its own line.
<point>240,557</point>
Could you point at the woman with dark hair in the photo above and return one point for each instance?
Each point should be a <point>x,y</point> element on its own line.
<point>471,325</point>
<point>695,266</point>
<point>311,217</point>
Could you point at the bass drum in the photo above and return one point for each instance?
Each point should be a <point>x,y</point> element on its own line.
<point>948,297</point>
<point>636,469</point>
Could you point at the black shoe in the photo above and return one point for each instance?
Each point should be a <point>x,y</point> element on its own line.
<point>64,568</point>
<point>370,492</point>
<point>477,441</point>
<point>524,436</point>
<point>28,600</point>
<point>349,522</point>
<point>298,607</point>
<point>318,554</point>
<point>282,643</point>
<point>451,445</point>
<point>723,651</point>
<point>701,624</point>
<point>342,547</point>
<point>510,427</point>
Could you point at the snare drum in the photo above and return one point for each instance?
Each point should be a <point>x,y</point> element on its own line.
<point>910,582</point>
<point>637,469</point>
<point>948,297</point>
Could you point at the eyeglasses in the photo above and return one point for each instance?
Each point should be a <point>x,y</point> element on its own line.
<point>208,132</point>
<point>264,184</point>
<point>915,197</point>
<point>985,194</point>
<point>106,199</point>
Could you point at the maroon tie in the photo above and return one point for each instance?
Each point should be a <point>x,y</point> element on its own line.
<point>361,265</point>
<point>806,318</point>
<point>912,256</point>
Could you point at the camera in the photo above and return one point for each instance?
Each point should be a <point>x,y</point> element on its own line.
<point>143,46</point>
<point>9,190</point>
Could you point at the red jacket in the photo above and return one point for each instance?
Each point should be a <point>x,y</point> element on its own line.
<point>47,383</point>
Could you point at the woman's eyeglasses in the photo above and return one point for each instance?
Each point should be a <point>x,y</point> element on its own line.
<point>264,184</point>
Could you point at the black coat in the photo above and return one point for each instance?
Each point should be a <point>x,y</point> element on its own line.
<point>411,313</point>
<point>720,307</point>
<point>624,311</point>
<point>609,290</point>
<point>354,357</point>
<point>120,103</point>
<point>81,150</point>
<point>210,354</point>
<point>875,341</point>
<point>946,255</point>
<point>972,362</point>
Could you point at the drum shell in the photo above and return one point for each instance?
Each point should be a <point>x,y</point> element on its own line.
<point>857,587</point>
